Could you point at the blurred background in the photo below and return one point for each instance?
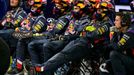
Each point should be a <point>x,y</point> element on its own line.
<point>120,5</point>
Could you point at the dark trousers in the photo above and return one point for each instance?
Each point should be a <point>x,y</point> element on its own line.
<point>55,56</point>
<point>121,64</point>
<point>39,50</point>
<point>35,49</point>
<point>53,47</point>
<point>22,47</point>
<point>21,50</point>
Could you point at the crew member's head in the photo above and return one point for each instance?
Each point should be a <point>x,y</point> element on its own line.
<point>78,9</point>
<point>103,9</point>
<point>14,3</point>
<point>122,20</point>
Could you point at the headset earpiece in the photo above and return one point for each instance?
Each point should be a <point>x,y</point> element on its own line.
<point>125,19</point>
